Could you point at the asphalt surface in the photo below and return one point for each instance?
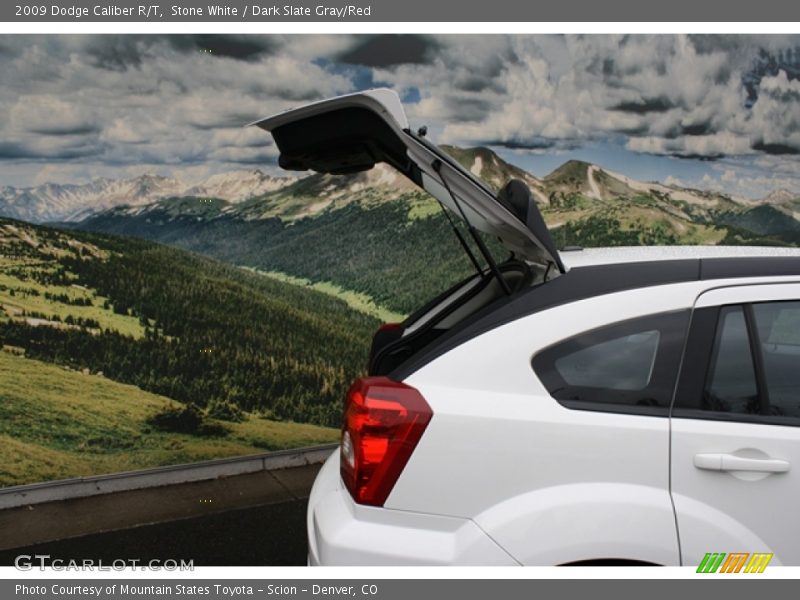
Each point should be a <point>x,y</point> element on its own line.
<point>250,519</point>
<point>272,534</point>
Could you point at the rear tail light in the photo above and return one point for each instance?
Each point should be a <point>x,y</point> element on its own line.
<point>383,422</point>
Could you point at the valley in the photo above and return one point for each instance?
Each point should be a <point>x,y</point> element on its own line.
<point>160,322</point>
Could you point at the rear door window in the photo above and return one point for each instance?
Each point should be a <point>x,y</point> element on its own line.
<point>753,369</point>
<point>731,382</point>
<point>778,328</point>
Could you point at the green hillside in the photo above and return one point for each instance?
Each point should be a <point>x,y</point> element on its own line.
<point>571,174</point>
<point>377,250</point>
<point>180,325</point>
<point>764,220</point>
<point>57,423</point>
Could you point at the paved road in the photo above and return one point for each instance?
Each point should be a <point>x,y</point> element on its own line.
<point>272,534</point>
<point>243,520</point>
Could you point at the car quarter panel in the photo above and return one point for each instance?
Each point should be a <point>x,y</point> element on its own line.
<point>341,532</point>
<point>502,452</point>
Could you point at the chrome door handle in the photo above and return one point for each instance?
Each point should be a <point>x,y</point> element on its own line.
<point>731,462</point>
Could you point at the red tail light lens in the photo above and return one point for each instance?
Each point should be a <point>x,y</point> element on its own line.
<point>383,422</point>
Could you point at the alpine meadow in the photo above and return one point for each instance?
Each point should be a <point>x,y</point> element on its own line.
<point>216,360</point>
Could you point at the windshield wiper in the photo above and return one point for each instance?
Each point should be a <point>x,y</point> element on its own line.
<point>437,166</point>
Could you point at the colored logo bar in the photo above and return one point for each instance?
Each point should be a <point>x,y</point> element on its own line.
<point>736,562</point>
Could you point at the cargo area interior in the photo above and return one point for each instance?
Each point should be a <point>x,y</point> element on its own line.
<point>391,346</point>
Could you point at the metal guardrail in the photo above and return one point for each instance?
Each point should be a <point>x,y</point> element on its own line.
<point>82,487</point>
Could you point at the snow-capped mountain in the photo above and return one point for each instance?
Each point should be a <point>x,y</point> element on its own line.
<point>237,186</point>
<point>70,202</point>
<point>779,197</point>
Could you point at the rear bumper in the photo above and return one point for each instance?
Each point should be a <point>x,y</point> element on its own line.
<point>341,532</point>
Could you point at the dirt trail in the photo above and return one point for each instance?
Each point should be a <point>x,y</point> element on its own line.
<point>595,189</point>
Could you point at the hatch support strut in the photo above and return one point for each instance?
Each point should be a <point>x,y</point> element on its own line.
<point>460,237</point>
<point>437,166</point>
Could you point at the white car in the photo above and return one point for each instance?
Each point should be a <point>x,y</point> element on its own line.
<point>624,406</point>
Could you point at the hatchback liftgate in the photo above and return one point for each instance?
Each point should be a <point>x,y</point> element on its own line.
<point>352,133</point>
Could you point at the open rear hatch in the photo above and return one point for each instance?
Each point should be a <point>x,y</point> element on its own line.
<point>354,132</point>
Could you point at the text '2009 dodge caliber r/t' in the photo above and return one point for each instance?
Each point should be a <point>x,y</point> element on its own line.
<point>622,406</point>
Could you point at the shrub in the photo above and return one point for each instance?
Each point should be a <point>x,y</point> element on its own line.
<point>186,419</point>
<point>225,411</point>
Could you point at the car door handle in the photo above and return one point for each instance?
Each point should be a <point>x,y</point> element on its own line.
<point>731,462</point>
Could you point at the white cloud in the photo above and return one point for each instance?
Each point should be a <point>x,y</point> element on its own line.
<point>667,94</point>
<point>775,117</point>
<point>133,101</point>
<point>717,144</point>
<point>49,114</point>
<point>150,101</point>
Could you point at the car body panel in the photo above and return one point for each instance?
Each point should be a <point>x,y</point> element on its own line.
<point>749,291</point>
<point>722,512</point>
<point>590,257</point>
<point>342,532</point>
<point>576,522</point>
<point>494,418</point>
<point>743,511</point>
<point>514,448</point>
<point>548,484</point>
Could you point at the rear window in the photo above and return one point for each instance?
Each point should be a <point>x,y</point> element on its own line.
<point>629,366</point>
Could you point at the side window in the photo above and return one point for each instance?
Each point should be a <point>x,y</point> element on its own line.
<point>731,382</point>
<point>629,366</point>
<point>753,368</point>
<point>778,327</point>
<point>622,363</point>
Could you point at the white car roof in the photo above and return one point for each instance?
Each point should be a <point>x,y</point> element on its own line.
<point>624,254</point>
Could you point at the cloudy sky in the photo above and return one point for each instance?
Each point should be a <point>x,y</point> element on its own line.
<point>716,112</point>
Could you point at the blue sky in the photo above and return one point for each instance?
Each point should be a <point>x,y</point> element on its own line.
<point>711,111</point>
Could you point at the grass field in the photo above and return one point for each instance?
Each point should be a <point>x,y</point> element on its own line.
<point>355,300</point>
<point>21,294</point>
<point>57,424</point>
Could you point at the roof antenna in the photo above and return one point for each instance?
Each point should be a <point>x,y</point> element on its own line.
<point>437,166</point>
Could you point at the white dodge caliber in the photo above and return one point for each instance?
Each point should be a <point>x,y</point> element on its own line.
<point>618,406</point>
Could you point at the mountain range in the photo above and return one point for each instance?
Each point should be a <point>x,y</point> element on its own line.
<point>571,193</point>
<point>52,202</point>
<point>71,202</point>
<point>375,233</point>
